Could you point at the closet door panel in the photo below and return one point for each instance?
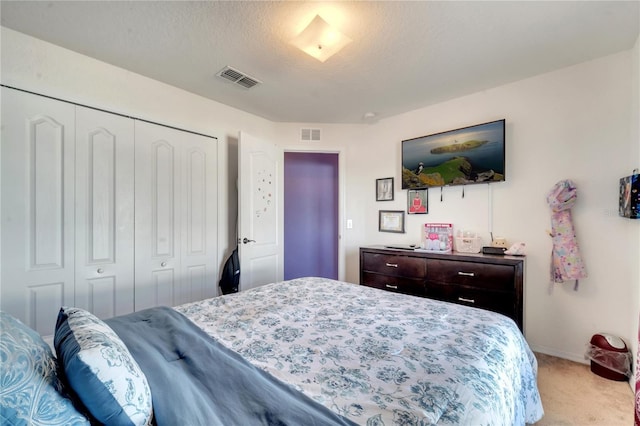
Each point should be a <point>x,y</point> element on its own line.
<point>199,217</point>
<point>105,215</point>
<point>37,208</point>
<point>163,200</point>
<point>176,216</point>
<point>157,216</point>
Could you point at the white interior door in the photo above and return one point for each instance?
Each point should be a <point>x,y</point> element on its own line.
<point>37,208</point>
<point>105,212</point>
<point>260,210</point>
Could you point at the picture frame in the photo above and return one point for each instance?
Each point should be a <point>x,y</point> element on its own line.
<point>384,189</point>
<point>391,221</point>
<point>417,201</point>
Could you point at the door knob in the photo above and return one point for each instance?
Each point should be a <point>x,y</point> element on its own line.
<point>100,270</point>
<point>245,240</point>
<point>163,264</point>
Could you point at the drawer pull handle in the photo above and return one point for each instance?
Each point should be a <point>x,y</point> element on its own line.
<point>392,265</point>
<point>395,287</point>
<point>467,274</point>
<point>462,299</point>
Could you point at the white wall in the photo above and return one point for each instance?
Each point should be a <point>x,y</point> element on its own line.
<point>570,124</point>
<point>579,123</point>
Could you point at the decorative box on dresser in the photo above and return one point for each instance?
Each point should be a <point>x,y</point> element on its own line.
<point>492,282</point>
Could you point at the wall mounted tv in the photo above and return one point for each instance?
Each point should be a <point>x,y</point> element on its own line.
<point>470,155</point>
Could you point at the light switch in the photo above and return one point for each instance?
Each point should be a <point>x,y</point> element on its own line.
<point>349,224</point>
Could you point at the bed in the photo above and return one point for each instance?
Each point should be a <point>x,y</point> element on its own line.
<point>305,351</point>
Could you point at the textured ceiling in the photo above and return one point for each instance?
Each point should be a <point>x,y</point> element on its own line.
<point>404,55</point>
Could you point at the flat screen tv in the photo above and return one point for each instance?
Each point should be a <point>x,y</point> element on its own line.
<point>470,155</point>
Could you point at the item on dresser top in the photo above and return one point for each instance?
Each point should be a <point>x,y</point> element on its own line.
<point>499,242</point>
<point>493,250</point>
<point>518,249</point>
<point>438,237</point>
<point>467,242</point>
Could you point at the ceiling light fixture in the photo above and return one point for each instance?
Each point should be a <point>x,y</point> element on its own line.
<point>320,40</point>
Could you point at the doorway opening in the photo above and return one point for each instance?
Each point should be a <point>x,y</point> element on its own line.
<point>311,215</point>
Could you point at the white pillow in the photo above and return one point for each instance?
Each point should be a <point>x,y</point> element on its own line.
<point>101,370</point>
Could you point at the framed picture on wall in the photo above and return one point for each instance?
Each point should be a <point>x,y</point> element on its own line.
<point>384,189</point>
<point>417,201</point>
<point>391,221</point>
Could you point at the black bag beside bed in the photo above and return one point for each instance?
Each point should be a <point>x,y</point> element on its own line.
<point>230,278</point>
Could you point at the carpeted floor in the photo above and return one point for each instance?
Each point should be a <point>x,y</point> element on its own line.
<point>573,395</point>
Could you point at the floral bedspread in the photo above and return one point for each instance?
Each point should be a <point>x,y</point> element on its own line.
<point>380,358</point>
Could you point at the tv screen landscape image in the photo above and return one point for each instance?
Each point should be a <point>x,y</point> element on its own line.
<point>470,155</point>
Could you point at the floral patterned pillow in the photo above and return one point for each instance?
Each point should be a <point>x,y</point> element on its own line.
<point>31,393</point>
<point>100,369</point>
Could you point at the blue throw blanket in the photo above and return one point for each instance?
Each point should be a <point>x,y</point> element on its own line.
<point>195,380</point>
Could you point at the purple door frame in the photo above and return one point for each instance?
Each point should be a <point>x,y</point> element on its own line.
<point>311,228</point>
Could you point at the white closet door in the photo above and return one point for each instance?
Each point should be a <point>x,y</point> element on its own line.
<point>105,212</point>
<point>198,218</point>
<point>37,208</point>
<point>175,216</point>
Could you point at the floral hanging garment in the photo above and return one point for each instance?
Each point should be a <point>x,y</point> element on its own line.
<point>637,411</point>
<point>566,262</point>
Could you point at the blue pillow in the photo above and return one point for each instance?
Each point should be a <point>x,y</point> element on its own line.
<point>30,391</point>
<point>100,370</point>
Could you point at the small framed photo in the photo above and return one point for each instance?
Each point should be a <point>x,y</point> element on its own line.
<point>384,189</point>
<point>417,201</point>
<point>391,221</point>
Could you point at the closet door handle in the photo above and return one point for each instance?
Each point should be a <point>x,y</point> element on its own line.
<point>467,274</point>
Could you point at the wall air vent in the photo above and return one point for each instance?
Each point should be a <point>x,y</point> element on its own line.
<point>310,135</point>
<point>237,77</point>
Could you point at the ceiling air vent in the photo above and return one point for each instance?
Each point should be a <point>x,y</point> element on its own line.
<point>237,77</point>
<point>307,135</point>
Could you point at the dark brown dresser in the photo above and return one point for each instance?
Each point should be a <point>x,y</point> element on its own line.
<point>492,282</point>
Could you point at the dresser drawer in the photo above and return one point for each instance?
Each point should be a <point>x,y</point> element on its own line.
<point>398,266</point>
<point>501,302</point>
<point>396,284</point>
<point>481,275</point>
